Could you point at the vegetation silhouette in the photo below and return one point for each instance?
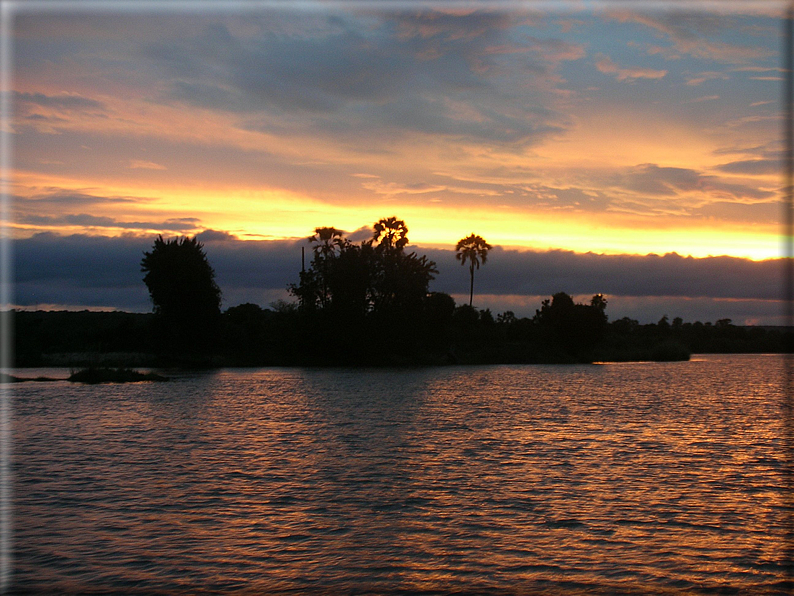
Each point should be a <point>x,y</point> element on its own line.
<point>186,300</point>
<point>572,329</point>
<point>390,232</point>
<point>354,292</point>
<point>362,303</point>
<point>474,249</point>
<point>93,376</point>
<point>251,335</point>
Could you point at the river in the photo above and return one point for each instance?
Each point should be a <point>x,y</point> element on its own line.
<point>619,478</point>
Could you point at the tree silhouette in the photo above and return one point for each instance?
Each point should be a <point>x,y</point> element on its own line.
<point>327,242</point>
<point>185,296</point>
<point>475,250</point>
<point>575,329</point>
<point>399,279</point>
<point>390,233</point>
<point>355,291</point>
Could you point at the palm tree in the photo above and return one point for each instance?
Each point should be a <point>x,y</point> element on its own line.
<point>475,250</point>
<point>390,232</point>
<point>327,241</point>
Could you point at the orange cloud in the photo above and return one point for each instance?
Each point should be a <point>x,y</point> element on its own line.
<point>607,66</point>
<point>145,165</point>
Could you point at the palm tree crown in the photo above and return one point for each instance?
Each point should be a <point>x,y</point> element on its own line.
<point>390,232</point>
<point>474,249</point>
<point>327,240</point>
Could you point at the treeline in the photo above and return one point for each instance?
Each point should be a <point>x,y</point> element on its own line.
<point>250,335</point>
<point>364,303</point>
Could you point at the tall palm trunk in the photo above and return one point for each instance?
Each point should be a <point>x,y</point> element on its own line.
<point>471,289</point>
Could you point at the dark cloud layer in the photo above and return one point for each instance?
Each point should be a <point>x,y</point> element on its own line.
<point>541,273</point>
<point>101,271</point>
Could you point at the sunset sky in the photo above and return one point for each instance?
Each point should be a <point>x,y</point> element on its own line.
<point>618,129</point>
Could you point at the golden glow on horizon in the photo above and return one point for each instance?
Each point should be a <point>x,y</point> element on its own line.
<point>599,147</point>
<point>273,214</point>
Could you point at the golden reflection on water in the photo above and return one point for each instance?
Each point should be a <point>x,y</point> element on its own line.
<point>503,478</point>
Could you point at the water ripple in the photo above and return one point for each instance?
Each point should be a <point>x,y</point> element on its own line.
<point>622,479</point>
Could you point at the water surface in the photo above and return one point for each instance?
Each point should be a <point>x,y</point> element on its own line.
<point>642,477</point>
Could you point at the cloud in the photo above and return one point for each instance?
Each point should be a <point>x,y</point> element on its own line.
<point>42,118</point>
<point>67,198</point>
<point>771,150</point>
<point>215,236</point>
<point>692,34</point>
<point>145,165</point>
<point>653,179</point>
<point>65,101</point>
<point>316,74</point>
<point>361,234</point>
<point>767,79</point>
<point>394,188</point>
<point>544,273</point>
<point>557,50</point>
<point>378,186</point>
<point>182,224</point>
<point>78,269</point>
<point>403,94</point>
<point>607,66</point>
<point>753,166</point>
<point>759,69</point>
<point>552,50</point>
<point>395,73</point>
<point>765,212</point>
<point>702,77</point>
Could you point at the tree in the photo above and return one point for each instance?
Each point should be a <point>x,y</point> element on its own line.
<point>185,296</point>
<point>399,279</point>
<point>374,277</point>
<point>328,242</point>
<point>573,328</point>
<point>390,233</point>
<point>371,287</point>
<point>599,304</point>
<point>475,250</point>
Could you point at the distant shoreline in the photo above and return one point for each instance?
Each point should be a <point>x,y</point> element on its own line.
<point>266,338</point>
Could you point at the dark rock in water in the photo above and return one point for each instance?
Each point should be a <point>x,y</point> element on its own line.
<point>113,375</point>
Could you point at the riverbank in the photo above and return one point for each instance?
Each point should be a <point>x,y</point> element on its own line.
<point>252,336</point>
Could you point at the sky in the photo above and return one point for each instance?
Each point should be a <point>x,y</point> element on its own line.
<point>630,149</point>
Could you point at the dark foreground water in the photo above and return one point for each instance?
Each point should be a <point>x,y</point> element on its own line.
<point>626,478</point>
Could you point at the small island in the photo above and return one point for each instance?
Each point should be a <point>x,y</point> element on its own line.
<point>92,376</point>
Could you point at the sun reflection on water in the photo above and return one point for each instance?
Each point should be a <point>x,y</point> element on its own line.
<point>665,477</point>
